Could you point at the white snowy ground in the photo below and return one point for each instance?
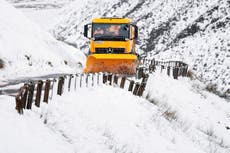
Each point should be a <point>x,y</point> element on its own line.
<point>23,134</point>
<point>105,119</point>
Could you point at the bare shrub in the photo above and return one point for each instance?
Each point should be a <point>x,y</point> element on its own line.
<point>211,88</point>
<point>1,64</point>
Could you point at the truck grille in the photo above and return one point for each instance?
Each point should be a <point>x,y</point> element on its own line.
<point>110,50</point>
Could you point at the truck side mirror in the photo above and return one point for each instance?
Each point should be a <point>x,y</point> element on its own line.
<point>135,32</point>
<point>86,30</point>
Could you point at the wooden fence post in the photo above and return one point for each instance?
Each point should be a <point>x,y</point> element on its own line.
<point>140,72</point>
<point>141,90</point>
<point>70,79</point>
<point>185,71</point>
<point>92,77</point>
<point>87,80</point>
<point>98,78</point>
<point>52,88</point>
<point>136,88</point>
<point>168,70</point>
<point>75,83</point>
<point>110,79</point>
<point>60,85</point>
<point>39,91</point>
<point>122,85</point>
<point>152,65</point>
<point>175,73</point>
<point>24,96</point>
<point>105,78</point>
<point>30,95</point>
<point>81,80</point>
<point>115,79</point>
<point>145,79</point>
<point>47,89</point>
<point>162,67</point>
<point>181,69</point>
<point>19,105</point>
<point>131,85</point>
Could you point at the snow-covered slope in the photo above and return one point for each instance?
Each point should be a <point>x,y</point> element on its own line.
<point>27,50</point>
<point>180,119</point>
<point>42,12</point>
<point>23,134</point>
<point>195,31</point>
<point>201,114</point>
<point>111,120</point>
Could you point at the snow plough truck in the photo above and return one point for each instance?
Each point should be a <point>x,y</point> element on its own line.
<point>112,46</point>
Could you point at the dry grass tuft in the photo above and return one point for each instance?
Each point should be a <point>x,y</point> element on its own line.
<point>170,115</point>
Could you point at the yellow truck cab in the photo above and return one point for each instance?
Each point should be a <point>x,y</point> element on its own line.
<point>112,46</point>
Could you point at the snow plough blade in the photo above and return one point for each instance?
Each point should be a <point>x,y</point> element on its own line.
<point>113,63</point>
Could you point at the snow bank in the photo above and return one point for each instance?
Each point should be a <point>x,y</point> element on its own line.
<point>26,133</point>
<point>203,115</point>
<point>27,50</point>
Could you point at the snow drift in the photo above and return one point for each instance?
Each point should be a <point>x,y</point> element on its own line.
<point>27,50</point>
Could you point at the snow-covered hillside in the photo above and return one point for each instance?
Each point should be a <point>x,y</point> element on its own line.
<point>42,12</point>
<point>27,50</point>
<point>195,31</point>
<point>182,118</point>
<point>201,114</point>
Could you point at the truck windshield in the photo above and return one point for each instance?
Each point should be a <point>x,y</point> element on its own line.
<point>110,31</point>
